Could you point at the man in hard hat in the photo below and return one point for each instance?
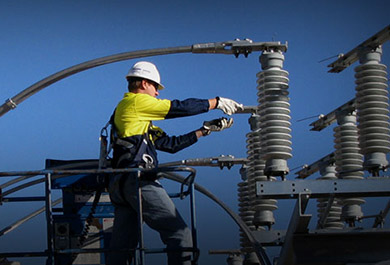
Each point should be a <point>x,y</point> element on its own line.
<point>135,146</point>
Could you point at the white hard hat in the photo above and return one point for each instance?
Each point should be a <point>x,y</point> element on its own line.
<point>146,70</point>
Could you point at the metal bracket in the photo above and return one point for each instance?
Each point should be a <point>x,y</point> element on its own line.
<point>248,109</point>
<point>10,103</point>
<point>369,187</point>
<point>298,224</point>
<point>270,237</point>
<point>238,47</point>
<point>218,161</point>
<point>306,171</point>
<point>331,117</point>
<point>353,55</point>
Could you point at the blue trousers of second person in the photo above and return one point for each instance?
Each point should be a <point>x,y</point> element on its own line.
<point>159,213</point>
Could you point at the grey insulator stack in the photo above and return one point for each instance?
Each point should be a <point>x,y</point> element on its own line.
<point>372,109</point>
<point>274,111</point>
<point>349,161</point>
<point>246,213</point>
<point>263,207</point>
<point>252,172</point>
<point>333,220</point>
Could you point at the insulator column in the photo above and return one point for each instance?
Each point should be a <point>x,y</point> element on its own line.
<point>248,203</point>
<point>263,207</point>
<point>349,161</point>
<point>246,213</point>
<point>333,220</point>
<point>372,109</point>
<point>274,111</point>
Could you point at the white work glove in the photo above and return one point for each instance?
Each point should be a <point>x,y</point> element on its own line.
<point>217,125</point>
<point>228,106</point>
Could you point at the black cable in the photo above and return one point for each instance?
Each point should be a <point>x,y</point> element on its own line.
<point>259,250</point>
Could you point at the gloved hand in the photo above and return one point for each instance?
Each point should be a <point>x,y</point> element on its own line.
<point>228,106</point>
<point>217,125</point>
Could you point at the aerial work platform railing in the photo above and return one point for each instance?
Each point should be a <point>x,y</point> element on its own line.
<point>167,172</point>
<point>53,174</point>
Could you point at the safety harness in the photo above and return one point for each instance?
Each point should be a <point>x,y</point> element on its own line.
<point>125,154</point>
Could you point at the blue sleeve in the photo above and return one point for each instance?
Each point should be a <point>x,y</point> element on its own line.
<point>188,107</point>
<point>173,144</point>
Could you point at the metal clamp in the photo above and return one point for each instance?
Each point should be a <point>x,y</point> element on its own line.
<point>10,103</point>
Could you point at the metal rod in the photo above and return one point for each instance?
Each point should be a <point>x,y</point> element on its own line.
<point>140,221</point>
<point>248,109</point>
<point>65,173</point>
<point>24,199</point>
<point>49,221</point>
<point>91,171</point>
<point>107,250</point>
<point>23,254</point>
<point>193,224</point>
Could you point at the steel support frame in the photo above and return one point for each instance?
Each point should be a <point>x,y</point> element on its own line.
<point>298,224</point>
<point>295,239</point>
<point>347,246</point>
<point>369,187</point>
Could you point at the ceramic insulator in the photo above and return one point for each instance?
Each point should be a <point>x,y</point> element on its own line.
<point>274,111</point>
<point>372,102</point>
<point>333,220</point>
<point>349,161</point>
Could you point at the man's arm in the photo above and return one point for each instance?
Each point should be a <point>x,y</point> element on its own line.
<point>173,144</point>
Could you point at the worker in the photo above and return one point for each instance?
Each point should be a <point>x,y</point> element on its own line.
<point>135,146</point>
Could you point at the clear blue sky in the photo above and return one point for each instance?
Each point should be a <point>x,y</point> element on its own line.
<point>39,38</point>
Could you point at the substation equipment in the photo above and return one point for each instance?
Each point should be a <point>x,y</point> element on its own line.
<point>79,231</point>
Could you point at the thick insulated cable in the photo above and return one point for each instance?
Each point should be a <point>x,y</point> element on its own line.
<point>14,181</point>
<point>261,255</point>
<point>26,218</point>
<point>28,92</point>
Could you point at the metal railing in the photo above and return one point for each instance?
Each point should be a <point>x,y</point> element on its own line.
<point>187,189</point>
